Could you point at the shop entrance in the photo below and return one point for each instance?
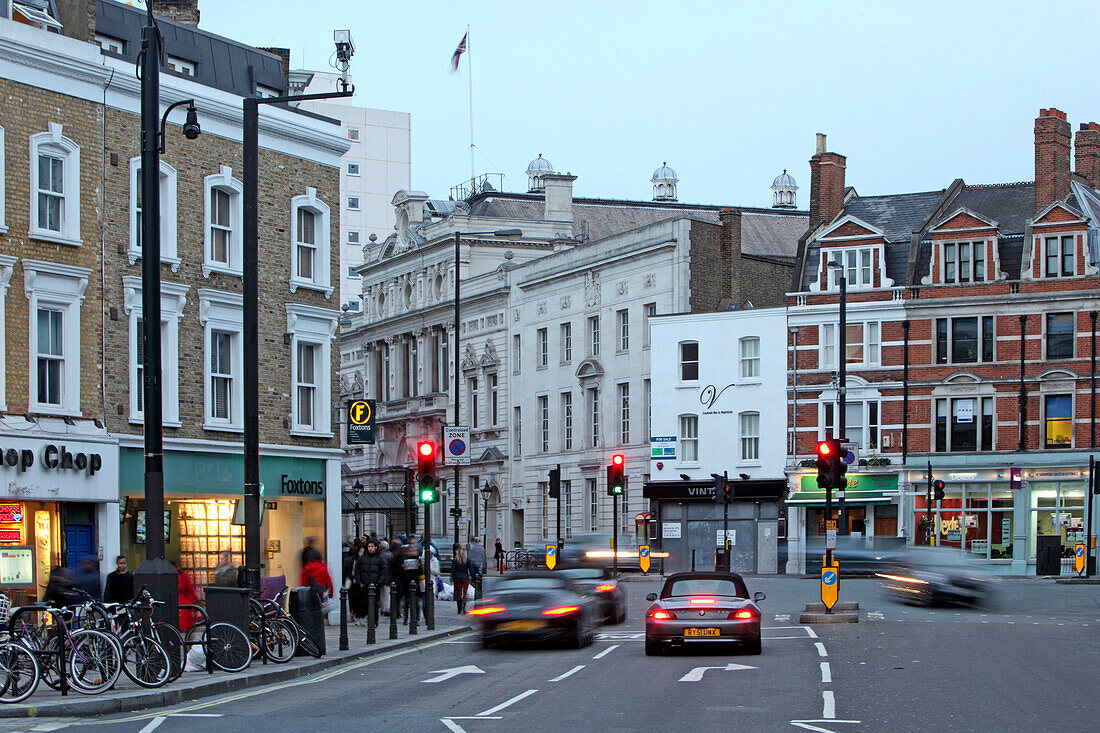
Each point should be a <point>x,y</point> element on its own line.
<point>79,544</point>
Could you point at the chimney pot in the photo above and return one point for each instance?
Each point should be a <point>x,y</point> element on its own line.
<point>820,143</point>
<point>1086,148</point>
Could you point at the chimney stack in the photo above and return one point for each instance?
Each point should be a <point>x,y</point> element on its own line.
<point>558,204</point>
<point>1052,135</point>
<point>826,183</point>
<point>284,56</point>
<point>1086,149</point>
<point>181,11</point>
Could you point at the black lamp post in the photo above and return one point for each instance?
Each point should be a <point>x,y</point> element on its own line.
<point>250,326</point>
<point>486,492</point>
<point>155,573</point>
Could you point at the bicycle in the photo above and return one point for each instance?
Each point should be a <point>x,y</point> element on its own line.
<point>87,657</point>
<point>144,659</point>
<point>225,646</point>
<point>275,636</point>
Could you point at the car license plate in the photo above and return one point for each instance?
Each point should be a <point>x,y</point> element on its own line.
<point>521,625</point>
<point>703,632</point>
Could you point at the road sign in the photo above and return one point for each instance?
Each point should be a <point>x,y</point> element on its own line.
<point>360,422</point>
<point>1079,557</point>
<point>830,586</point>
<point>551,556</point>
<point>456,446</point>
<point>849,452</point>
<point>643,557</point>
<point>830,539</point>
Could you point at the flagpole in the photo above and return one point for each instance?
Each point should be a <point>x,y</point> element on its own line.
<point>470,81</point>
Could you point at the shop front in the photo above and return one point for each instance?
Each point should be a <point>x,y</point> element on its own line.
<point>204,511</point>
<point>58,502</point>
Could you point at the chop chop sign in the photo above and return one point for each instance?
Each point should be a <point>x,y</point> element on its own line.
<point>53,458</point>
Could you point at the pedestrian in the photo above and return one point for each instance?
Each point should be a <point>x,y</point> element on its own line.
<point>384,591</point>
<point>225,575</point>
<point>60,588</point>
<point>498,555</point>
<point>357,599</point>
<point>460,577</point>
<point>307,552</point>
<point>370,568</point>
<point>476,554</point>
<point>120,583</point>
<point>410,573</point>
<point>397,573</point>
<point>188,595</point>
<point>315,575</point>
<point>87,579</point>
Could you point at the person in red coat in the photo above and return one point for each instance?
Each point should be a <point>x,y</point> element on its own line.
<point>314,571</point>
<point>187,594</point>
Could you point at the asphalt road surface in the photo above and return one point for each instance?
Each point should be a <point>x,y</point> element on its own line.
<point>1030,663</point>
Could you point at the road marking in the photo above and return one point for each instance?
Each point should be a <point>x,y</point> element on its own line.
<point>810,632</point>
<point>696,675</point>
<point>821,649</point>
<point>828,707</point>
<point>779,638</point>
<point>806,724</point>
<point>561,677</point>
<point>452,726</point>
<point>46,727</point>
<point>782,617</point>
<point>826,674</point>
<point>153,724</point>
<point>506,703</point>
<point>875,616</point>
<point>619,635</point>
<point>442,675</point>
<point>607,651</point>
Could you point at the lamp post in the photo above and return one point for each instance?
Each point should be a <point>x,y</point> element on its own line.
<point>506,234</point>
<point>357,487</point>
<point>842,378</point>
<point>486,492</point>
<point>250,326</point>
<point>155,572</point>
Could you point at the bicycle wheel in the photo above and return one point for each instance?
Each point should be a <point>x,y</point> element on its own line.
<point>280,641</point>
<point>19,669</point>
<point>307,643</point>
<point>228,648</point>
<point>144,661</point>
<point>172,641</point>
<point>95,663</point>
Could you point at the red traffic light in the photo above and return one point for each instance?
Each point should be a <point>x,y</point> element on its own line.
<point>426,449</point>
<point>823,448</point>
<point>617,459</point>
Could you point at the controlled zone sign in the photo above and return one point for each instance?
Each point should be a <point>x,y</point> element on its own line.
<point>643,557</point>
<point>551,556</point>
<point>456,446</point>
<point>830,586</point>
<point>360,422</point>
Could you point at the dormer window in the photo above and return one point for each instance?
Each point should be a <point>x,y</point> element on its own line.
<point>181,66</point>
<point>963,262</point>
<point>1059,256</point>
<point>856,263</point>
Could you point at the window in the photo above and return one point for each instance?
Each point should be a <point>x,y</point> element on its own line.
<point>517,353</point>
<point>827,332</point>
<point>689,361</point>
<point>107,43</point>
<point>221,376</point>
<point>168,217</point>
<point>494,399</point>
<point>267,92</point>
<point>624,330</point>
<point>172,298</point>
<point>354,306</point>
<point>55,187</point>
<point>1059,335</point>
<point>862,345</point>
<point>353,169</point>
<point>387,386</point>
<point>1058,420</point>
<point>593,504</point>
<point>180,66</point>
<point>353,237</point>
<point>444,362</point>
<point>567,420</point>
<point>544,423</point>
<point>1059,256</point>
<point>624,414</point>
<point>50,355</point>
<point>306,385</point>
<point>750,436</point>
<point>861,423</point>
<point>517,431</point>
<point>471,401</point>
<point>222,315</point>
<point>414,367</point>
<point>354,276</point>
<point>310,224</point>
<point>543,348</point>
<point>959,428</point>
<point>353,134</point>
<point>750,357</point>
<point>689,438</point>
<point>353,203</point>
<point>566,343</point>
<point>594,336</point>
<point>856,264</point>
<point>964,340</point>
<point>567,492</point>
<point>648,311</point>
<point>224,216</point>
<point>406,363</point>
<point>963,262</point>
<point>594,417</point>
<point>55,293</point>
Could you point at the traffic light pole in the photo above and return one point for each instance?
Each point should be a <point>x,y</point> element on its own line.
<point>842,391</point>
<point>928,506</point>
<point>429,581</point>
<point>614,536</point>
<point>560,543</point>
<point>726,519</point>
<point>1090,561</point>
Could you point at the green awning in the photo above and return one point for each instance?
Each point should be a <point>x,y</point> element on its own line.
<point>863,488</point>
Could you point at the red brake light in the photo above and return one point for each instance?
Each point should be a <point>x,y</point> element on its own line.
<point>743,615</point>
<point>703,601</point>
<point>606,588</point>
<point>561,611</point>
<point>485,610</point>
<point>660,615</point>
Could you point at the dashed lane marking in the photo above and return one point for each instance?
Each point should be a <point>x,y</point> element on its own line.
<point>828,704</point>
<point>506,703</point>
<point>153,724</point>
<point>561,677</point>
<point>606,651</point>
<point>821,649</point>
<point>782,617</point>
<point>808,724</point>
<point>826,674</point>
<point>875,616</point>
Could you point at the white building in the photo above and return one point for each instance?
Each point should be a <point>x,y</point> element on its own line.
<point>718,407</point>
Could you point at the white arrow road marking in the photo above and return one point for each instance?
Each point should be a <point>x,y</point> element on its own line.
<point>506,703</point>
<point>446,674</point>
<point>806,724</point>
<point>607,651</point>
<point>826,673</point>
<point>828,707</point>
<point>696,675</point>
<point>561,677</point>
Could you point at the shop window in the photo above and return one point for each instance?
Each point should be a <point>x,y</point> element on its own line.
<point>206,531</point>
<point>750,436</point>
<point>974,518</point>
<point>1058,421</point>
<point>689,361</point>
<point>224,217</point>
<point>1059,336</point>
<point>55,187</point>
<point>961,427</point>
<point>311,228</point>
<point>750,357</point>
<point>689,438</point>
<point>1058,508</point>
<point>1059,256</point>
<point>964,340</point>
<point>168,219</point>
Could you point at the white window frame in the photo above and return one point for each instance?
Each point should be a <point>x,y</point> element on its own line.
<point>750,439</point>
<point>353,236</point>
<point>168,214</point>
<point>859,275</point>
<point>567,420</point>
<point>3,225</point>
<point>623,319</point>
<point>649,310</point>
<point>225,181</point>
<point>182,66</point>
<point>322,265</point>
<point>566,342</point>
<point>353,134</point>
<point>544,423</point>
<point>685,439</point>
<point>972,262</point>
<point>110,43</point>
<point>681,362</point>
<point>865,426</point>
<point>356,171</point>
<point>543,339</point>
<point>624,413</point>
<point>517,353</point>
<point>357,206</point>
<point>7,266</point>
<point>61,287</point>
<point>871,344</point>
<point>593,503</point>
<point>593,396</point>
<point>593,335</point>
<point>56,144</point>
<point>173,298</point>
<point>1060,238</point>
<point>317,326</point>
<point>749,362</point>
<point>517,431</point>
<point>494,398</point>
<point>220,311</point>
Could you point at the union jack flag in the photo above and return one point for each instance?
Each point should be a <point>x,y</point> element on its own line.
<point>458,52</point>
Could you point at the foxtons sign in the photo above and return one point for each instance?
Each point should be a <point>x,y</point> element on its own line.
<point>300,487</point>
<point>53,458</point>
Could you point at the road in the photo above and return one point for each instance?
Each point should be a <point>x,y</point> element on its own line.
<point>1028,664</point>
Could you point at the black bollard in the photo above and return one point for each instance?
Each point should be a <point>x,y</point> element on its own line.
<point>372,608</point>
<point>343,619</point>
<point>393,610</point>
<point>414,607</point>
<point>477,588</point>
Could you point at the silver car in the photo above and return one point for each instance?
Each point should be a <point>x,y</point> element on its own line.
<point>703,608</point>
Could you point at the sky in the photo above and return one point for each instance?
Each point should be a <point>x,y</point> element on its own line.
<point>915,94</point>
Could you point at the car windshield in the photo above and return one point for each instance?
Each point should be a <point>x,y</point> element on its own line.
<point>531,584</point>
<point>705,587</point>
<point>584,573</point>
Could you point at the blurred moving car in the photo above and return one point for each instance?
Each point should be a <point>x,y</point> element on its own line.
<point>937,575</point>
<point>598,581</point>
<point>702,608</point>
<point>856,555</point>
<point>595,548</point>
<point>538,606</point>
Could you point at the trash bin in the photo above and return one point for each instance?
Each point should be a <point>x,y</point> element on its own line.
<point>722,560</point>
<point>305,607</point>
<point>227,605</point>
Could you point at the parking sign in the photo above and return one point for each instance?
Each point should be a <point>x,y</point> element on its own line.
<point>456,446</point>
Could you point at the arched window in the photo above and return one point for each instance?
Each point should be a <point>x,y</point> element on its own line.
<point>55,187</point>
<point>311,263</point>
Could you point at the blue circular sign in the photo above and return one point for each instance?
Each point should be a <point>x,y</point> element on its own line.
<point>457,447</point>
<point>645,552</point>
<point>849,458</point>
<point>1080,552</point>
<point>829,577</point>
<point>551,550</point>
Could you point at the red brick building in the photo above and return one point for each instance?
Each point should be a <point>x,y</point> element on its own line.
<point>970,330</point>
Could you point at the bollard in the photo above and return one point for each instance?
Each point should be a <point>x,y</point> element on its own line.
<point>372,608</point>
<point>343,619</point>
<point>393,610</point>
<point>477,588</point>
<point>693,561</point>
<point>414,607</point>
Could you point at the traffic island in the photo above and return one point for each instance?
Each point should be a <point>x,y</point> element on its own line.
<point>843,617</point>
<point>838,606</point>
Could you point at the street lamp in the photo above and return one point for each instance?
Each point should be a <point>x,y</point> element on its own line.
<point>250,326</point>
<point>842,388</point>
<point>486,492</point>
<point>357,487</point>
<point>512,234</point>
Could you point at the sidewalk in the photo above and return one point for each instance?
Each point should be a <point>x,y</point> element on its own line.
<point>126,696</point>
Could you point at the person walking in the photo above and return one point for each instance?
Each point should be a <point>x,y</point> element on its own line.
<point>187,595</point>
<point>357,598</point>
<point>315,575</point>
<point>370,568</point>
<point>120,583</point>
<point>460,577</point>
<point>410,573</point>
<point>397,573</point>
<point>498,555</point>
<point>477,557</point>
<point>384,592</point>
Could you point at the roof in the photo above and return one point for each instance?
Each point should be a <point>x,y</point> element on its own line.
<point>771,235</point>
<point>898,215</point>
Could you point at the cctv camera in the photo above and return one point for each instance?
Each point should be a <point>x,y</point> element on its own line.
<point>345,47</point>
<point>191,129</point>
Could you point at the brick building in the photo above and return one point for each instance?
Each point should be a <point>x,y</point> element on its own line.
<point>970,346</point>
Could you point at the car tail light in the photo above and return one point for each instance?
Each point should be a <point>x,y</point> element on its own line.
<point>703,601</point>
<point>561,610</point>
<point>661,615</point>
<point>606,588</point>
<point>744,614</point>
<point>485,610</point>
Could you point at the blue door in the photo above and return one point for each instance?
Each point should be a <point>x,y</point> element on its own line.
<point>79,543</point>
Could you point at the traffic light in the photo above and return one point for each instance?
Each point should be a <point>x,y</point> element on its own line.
<point>616,480</point>
<point>937,489</point>
<point>425,472</point>
<point>555,483</point>
<point>723,489</point>
<point>830,465</point>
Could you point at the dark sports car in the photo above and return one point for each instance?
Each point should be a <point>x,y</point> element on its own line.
<point>930,575</point>
<point>598,581</point>
<point>537,606</point>
<point>702,608</point>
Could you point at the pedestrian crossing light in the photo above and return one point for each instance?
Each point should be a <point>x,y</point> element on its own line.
<point>616,480</point>
<point>427,490</point>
